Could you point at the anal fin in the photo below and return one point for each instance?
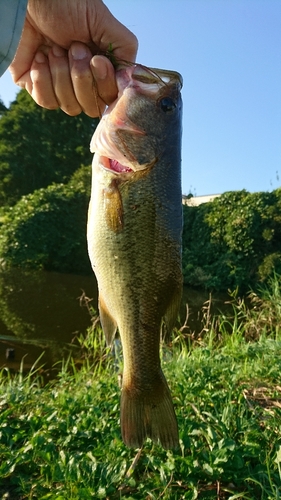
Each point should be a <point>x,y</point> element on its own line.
<point>108,323</point>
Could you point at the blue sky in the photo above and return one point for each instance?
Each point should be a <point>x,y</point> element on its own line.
<point>229,54</point>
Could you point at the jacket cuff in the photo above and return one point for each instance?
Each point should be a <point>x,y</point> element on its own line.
<point>12,16</point>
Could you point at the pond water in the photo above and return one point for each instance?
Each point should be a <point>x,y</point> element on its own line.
<point>43,312</point>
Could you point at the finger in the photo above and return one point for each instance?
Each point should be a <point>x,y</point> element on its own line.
<point>27,48</point>
<point>114,34</point>
<point>104,76</point>
<point>83,81</point>
<point>41,80</point>
<point>61,81</point>
<point>124,47</point>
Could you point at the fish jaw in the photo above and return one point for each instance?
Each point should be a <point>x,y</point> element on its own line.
<point>107,136</point>
<point>121,136</point>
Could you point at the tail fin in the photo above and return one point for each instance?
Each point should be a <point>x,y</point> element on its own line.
<point>149,414</point>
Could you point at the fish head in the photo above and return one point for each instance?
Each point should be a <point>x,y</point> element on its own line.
<point>142,124</point>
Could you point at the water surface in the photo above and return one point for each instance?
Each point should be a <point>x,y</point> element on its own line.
<point>42,312</point>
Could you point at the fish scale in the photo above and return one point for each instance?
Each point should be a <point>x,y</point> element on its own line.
<point>134,240</point>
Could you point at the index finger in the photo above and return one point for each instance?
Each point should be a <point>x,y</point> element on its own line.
<point>27,48</point>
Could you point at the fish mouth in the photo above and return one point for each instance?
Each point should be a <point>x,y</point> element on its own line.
<point>107,139</point>
<point>114,166</point>
<point>123,172</point>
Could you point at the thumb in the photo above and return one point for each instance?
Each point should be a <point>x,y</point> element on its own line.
<point>114,36</point>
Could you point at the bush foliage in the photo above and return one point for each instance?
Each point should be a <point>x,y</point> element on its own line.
<point>233,241</point>
<point>47,229</point>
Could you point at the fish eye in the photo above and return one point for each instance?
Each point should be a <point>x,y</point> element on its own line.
<point>167,104</point>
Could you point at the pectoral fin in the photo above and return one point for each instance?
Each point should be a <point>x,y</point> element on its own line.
<point>108,324</point>
<point>113,207</point>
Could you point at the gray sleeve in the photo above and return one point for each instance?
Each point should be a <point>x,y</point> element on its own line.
<point>12,16</point>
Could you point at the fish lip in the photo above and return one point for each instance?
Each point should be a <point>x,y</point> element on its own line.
<point>145,78</point>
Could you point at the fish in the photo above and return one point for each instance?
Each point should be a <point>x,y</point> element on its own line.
<point>134,234</point>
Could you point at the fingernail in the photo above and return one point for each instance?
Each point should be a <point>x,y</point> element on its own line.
<point>78,52</point>
<point>58,51</point>
<point>99,68</point>
<point>21,84</point>
<point>39,57</point>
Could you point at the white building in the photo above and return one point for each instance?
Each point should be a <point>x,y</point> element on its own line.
<point>194,201</point>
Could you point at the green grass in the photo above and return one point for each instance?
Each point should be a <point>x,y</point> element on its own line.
<point>62,440</point>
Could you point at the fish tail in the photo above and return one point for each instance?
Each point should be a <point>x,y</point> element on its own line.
<point>149,414</point>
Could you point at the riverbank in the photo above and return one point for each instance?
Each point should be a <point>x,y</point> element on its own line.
<point>62,440</point>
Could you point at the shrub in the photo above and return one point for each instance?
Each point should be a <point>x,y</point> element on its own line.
<point>47,230</point>
<point>233,241</point>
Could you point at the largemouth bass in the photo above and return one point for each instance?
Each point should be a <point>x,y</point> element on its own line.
<point>134,240</point>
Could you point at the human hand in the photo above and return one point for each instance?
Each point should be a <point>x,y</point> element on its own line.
<point>54,61</point>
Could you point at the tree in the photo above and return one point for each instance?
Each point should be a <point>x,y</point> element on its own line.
<point>2,108</point>
<point>39,147</point>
